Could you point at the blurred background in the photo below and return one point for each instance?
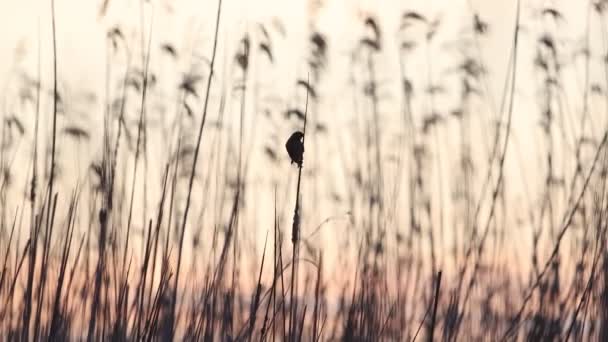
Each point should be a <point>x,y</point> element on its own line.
<point>437,139</point>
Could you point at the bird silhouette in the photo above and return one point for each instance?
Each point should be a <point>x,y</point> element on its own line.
<point>295,148</point>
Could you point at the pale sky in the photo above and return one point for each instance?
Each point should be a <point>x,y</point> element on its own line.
<point>81,45</point>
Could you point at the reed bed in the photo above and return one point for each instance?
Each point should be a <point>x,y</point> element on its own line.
<point>167,213</point>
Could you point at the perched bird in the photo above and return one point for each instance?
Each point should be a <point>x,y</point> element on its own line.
<point>295,148</point>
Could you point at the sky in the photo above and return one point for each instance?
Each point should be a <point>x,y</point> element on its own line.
<point>188,24</point>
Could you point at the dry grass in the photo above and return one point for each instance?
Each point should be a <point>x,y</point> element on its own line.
<point>423,251</point>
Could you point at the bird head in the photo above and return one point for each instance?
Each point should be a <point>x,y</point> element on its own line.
<point>297,135</point>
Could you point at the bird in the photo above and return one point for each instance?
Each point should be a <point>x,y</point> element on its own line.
<point>295,148</point>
